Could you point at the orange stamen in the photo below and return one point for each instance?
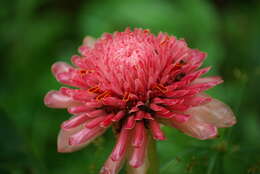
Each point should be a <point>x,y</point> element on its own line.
<point>93,89</point>
<point>102,95</point>
<point>82,72</point>
<point>161,88</point>
<point>146,31</point>
<point>180,64</point>
<point>126,97</point>
<point>164,40</point>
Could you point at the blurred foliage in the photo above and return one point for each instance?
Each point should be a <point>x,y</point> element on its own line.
<point>36,33</point>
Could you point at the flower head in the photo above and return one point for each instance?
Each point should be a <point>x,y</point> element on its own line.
<point>135,81</point>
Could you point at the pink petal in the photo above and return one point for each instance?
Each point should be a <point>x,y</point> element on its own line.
<point>139,153</point>
<point>180,118</point>
<point>138,136</point>
<point>167,101</point>
<point>197,57</point>
<point>85,135</point>
<point>196,129</point>
<point>74,122</point>
<point>79,94</point>
<point>139,158</point>
<point>214,112</point>
<point>148,116</point>
<point>212,80</point>
<point>121,145</point>
<point>179,107</point>
<point>89,41</point>
<point>60,67</point>
<point>139,115</point>
<point>166,115</point>
<point>55,99</point>
<point>95,122</point>
<point>108,121</point>
<point>192,76</point>
<point>181,93</point>
<point>96,113</point>
<point>196,100</point>
<point>79,109</point>
<point>158,108</point>
<point>156,130</point>
<point>113,101</point>
<point>118,116</point>
<point>112,167</point>
<point>63,139</point>
<point>130,123</point>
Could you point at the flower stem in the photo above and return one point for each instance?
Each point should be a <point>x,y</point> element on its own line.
<point>153,159</point>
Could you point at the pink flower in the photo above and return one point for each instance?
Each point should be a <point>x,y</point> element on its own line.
<point>136,82</point>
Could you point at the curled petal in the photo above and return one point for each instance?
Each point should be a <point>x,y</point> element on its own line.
<point>74,121</point>
<point>196,74</point>
<point>214,112</point>
<point>63,139</point>
<point>196,129</point>
<point>95,113</point>
<point>139,115</point>
<point>60,67</point>
<point>113,101</point>
<point>211,80</point>
<point>107,121</point>
<point>118,116</point>
<point>197,57</point>
<point>130,123</point>
<point>196,100</point>
<point>55,99</point>
<point>181,93</point>
<point>167,101</point>
<point>166,115</point>
<point>179,107</point>
<point>95,122</point>
<point>85,135</point>
<point>79,109</point>
<point>202,84</point>
<point>139,135</point>
<point>158,108</point>
<point>139,153</point>
<point>89,106</point>
<point>112,167</point>
<point>89,41</point>
<point>156,130</point>
<point>142,169</point>
<point>181,118</point>
<point>148,116</point>
<point>121,145</point>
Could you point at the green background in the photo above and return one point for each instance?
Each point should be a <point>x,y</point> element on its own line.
<point>36,33</point>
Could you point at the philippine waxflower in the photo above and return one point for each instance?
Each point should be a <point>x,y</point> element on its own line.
<point>135,82</point>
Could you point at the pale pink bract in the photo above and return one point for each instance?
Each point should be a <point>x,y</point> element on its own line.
<point>135,81</point>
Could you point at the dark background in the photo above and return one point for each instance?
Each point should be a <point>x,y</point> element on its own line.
<point>36,33</point>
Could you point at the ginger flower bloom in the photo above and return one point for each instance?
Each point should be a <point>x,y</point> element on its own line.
<point>135,82</point>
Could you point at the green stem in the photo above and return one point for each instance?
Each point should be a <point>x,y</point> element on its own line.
<point>153,158</point>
